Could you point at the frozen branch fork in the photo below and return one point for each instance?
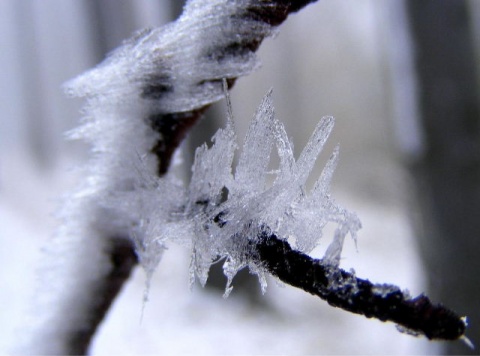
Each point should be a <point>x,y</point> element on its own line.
<point>141,101</point>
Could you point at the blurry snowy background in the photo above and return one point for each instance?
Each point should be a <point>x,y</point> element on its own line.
<point>333,58</point>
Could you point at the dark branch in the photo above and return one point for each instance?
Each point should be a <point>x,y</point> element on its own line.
<point>122,258</point>
<point>173,129</point>
<point>344,290</point>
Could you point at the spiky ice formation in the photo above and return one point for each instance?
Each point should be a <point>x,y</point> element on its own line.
<point>223,211</point>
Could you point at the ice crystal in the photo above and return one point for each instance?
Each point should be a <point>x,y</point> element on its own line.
<point>223,211</point>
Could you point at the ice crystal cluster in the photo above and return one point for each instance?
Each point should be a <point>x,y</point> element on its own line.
<point>229,209</point>
<point>223,210</point>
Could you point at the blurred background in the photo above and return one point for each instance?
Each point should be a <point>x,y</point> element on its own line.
<point>401,80</point>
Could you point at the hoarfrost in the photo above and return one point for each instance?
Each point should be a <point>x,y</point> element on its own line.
<point>223,212</point>
<point>179,67</point>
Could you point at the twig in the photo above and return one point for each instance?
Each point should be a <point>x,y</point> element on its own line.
<point>344,290</point>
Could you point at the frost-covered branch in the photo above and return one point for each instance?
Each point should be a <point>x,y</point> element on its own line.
<point>141,101</point>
